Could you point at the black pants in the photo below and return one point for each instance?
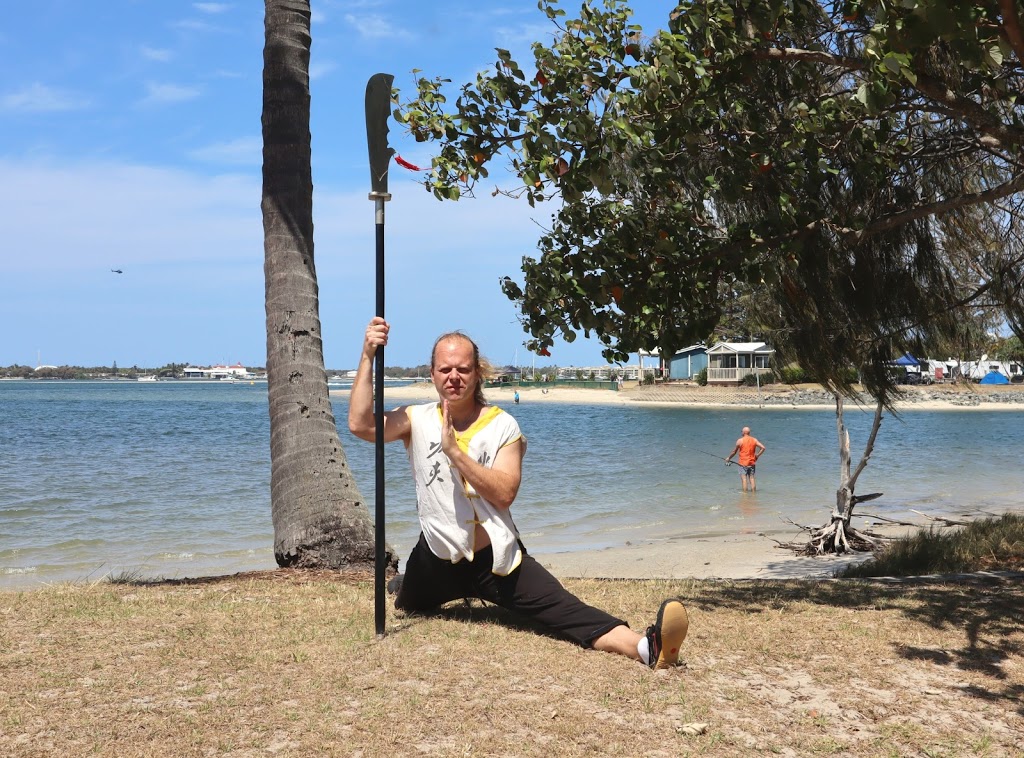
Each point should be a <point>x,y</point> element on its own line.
<point>530,590</point>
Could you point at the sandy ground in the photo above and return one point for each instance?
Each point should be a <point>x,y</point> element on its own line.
<point>754,555</point>
<point>736,556</point>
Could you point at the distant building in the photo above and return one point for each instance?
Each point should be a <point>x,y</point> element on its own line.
<point>508,375</point>
<point>238,371</point>
<point>606,372</point>
<point>688,362</point>
<point>732,362</point>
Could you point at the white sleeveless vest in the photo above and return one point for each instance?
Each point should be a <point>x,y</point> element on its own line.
<point>449,508</point>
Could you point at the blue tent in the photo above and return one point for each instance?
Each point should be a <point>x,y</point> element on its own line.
<point>907,360</point>
<point>994,377</point>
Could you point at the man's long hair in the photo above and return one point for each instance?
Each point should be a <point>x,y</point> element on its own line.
<point>484,370</point>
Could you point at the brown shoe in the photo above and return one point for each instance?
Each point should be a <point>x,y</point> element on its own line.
<point>666,635</point>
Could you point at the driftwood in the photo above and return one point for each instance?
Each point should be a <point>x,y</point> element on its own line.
<point>897,522</point>
<point>836,537</point>
<point>941,519</point>
<point>839,535</point>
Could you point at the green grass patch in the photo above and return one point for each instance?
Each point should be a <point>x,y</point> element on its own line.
<point>992,544</point>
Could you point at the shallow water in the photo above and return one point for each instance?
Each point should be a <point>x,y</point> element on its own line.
<point>171,479</point>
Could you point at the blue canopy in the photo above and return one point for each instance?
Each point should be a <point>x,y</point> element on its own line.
<point>907,360</point>
<point>994,377</point>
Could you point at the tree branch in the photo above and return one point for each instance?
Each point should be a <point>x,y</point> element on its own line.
<point>969,111</point>
<point>1011,27</point>
<point>812,56</point>
<point>963,107</point>
<point>931,209</point>
<point>869,447</point>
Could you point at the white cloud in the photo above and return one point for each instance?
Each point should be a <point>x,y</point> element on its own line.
<point>155,54</point>
<point>38,98</point>
<point>244,151</point>
<point>190,241</point>
<point>316,16</point>
<point>211,7</point>
<point>127,213</point>
<point>376,27</point>
<point>192,25</point>
<point>168,94</point>
<point>317,70</point>
<point>524,35</point>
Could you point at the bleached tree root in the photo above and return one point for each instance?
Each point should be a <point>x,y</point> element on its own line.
<point>836,538</point>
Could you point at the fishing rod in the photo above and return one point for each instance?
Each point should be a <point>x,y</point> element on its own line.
<point>697,450</point>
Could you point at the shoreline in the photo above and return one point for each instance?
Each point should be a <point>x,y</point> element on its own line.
<point>744,555</point>
<point>740,555</point>
<point>743,548</point>
<point>785,397</point>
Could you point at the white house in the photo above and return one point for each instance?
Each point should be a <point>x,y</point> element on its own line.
<point>238,371</point>
<point>730,362</point>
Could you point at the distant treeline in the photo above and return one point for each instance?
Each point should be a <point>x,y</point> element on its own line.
<point>176,371</point>
<point>170,370</point>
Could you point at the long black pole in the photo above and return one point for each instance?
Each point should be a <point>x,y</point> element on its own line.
<point>378,99</point>
<point>378,413</point>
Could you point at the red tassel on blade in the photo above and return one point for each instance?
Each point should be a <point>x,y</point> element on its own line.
<point>405,164</point>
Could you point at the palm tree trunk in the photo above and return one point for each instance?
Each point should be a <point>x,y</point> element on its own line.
<point>320,519</point>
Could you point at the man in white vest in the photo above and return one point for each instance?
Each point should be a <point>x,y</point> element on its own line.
<point>466,459</point>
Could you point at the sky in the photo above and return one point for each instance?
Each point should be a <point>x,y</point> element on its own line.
<point>130,140</point>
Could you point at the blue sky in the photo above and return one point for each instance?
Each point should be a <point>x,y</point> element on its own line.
<point>130,139</point>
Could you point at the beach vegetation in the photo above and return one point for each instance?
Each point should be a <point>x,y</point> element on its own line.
<point>794,374</point>
<point>319,517</point>
<point>990,544</point>
<point>757,380</point>
<point>856,167</point>
<point>702,377</point>
<point>1010,349</point>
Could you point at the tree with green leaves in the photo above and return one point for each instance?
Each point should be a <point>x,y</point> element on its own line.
<point>859,170</point>
<point>855,164</point>
<point>320,519</point>
<point>1010,349</point>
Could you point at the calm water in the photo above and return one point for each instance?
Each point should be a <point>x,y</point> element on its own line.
<point>171,479</point>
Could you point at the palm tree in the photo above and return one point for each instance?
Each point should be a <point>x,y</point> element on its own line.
<point>320,519</point>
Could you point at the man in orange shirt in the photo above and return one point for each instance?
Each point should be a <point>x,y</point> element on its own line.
<point>750,449</point>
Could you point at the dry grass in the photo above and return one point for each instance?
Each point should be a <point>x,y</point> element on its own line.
<point>285,663</point>
<point>989,544</point>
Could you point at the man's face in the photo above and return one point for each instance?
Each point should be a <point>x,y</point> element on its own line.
<point>454,371</point>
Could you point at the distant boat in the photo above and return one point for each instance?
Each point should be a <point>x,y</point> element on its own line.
<point>147,378</point>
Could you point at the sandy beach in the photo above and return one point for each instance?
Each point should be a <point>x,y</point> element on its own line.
<point>738,556</point>
<point>934,397</point>
<point>725,556</point>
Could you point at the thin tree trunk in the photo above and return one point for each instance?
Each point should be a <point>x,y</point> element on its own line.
<point>844,494</point>
<point>319,517</point>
